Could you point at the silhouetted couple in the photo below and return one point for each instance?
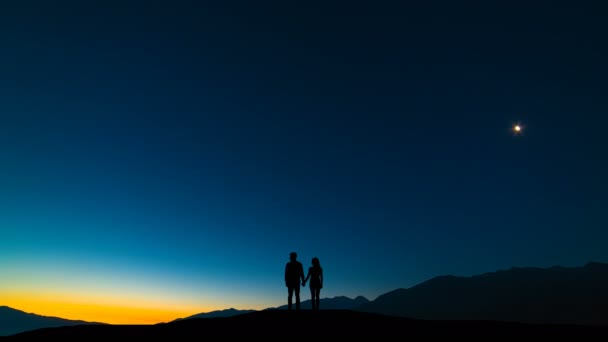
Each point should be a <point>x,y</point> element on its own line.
<point>294,272</point>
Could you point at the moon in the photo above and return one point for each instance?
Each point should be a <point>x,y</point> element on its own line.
<point>517,128</point>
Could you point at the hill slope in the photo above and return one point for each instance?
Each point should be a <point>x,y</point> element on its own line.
<point>328,323</point>
<point>13,321</point>
<point>218,313</point>
<point>335,303</point>
<point>537,295</point>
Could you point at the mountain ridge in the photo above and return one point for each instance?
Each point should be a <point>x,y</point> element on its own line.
<point>333,303</point>
<point>13,321</point>
<point>541,296</point>
<point>216,313</point>
<point>308,323</point>
<point>555,294</point>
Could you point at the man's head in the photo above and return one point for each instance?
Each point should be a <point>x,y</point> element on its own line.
<point>293,256</point>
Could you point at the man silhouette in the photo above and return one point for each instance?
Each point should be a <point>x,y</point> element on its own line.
<point>294,275</point>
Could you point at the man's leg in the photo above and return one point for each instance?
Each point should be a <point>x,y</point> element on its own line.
<point>297,289</point>
<point>290,295</point>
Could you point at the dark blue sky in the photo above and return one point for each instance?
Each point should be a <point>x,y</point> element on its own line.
<point>195,145</point>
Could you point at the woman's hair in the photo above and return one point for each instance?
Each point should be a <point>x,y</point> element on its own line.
<point>315,262</point>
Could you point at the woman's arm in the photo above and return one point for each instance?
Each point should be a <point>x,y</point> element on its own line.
<point>307,276</point>
<point>321,277</point>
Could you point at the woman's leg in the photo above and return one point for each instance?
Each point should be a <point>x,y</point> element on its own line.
<point>317,296</point>
<point>312,297</point>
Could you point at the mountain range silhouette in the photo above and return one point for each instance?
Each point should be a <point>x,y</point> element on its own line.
<point>502,300</point>
<point>534,295</point>
<point>217,314</point>
<point>335,303</point>
<point>13,321</point>
<point>308,323</point>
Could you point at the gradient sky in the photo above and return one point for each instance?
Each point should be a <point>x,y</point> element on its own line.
<point>161,161</point>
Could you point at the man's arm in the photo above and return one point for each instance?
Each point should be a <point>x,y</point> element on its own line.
<point>302,272</point>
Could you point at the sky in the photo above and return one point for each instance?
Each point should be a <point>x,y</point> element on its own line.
<point>160,160</point>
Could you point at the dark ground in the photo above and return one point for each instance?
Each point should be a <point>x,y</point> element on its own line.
<point>322,324</point>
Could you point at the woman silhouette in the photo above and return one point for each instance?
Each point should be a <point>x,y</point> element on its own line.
<point>315,273</point>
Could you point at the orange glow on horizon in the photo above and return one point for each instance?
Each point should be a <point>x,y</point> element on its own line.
<point>113,299</point>
<point>98,311</point>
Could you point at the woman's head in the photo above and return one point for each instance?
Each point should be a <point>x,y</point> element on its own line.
<point>315,262</point>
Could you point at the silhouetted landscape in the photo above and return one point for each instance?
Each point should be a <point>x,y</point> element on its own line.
<point>217,314</point>
<point>307,323</point>
<point>518,301</point>
<point>335,303</point>
<point>535,295</point>
<point>13,321</point>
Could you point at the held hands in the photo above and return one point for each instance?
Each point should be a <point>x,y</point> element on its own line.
<point>303,283</point>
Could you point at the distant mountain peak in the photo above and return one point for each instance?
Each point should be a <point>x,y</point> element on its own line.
<point>217,313</point>
<point>333,303</point>
<point>13,321</point>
